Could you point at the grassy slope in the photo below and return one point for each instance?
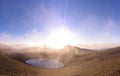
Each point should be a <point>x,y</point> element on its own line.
<point>106,63</point>
<point>10,67</point>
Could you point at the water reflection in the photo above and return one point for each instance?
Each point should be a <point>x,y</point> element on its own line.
<point>53,64</point>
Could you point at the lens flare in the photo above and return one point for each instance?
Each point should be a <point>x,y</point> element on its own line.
<point>60,38</point>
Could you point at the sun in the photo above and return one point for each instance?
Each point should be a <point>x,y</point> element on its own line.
<point>60,37</point>
<point>57,38</point>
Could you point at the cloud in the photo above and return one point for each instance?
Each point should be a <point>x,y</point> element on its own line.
<point>35,37</point>
<point>43,20</point>
<point>110,25</point>
<point>5,37</point>
<point>58,38</point>
<point>108,30</point>
<point>46,20</point>
<point>93,29</point>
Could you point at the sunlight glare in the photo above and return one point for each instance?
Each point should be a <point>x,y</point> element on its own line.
<point>60,38</point>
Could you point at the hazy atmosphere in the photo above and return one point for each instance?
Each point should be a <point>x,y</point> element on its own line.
<point>67,22</point>
<point>59,37</point>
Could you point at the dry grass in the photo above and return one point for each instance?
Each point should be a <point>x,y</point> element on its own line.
<point>105,63</point>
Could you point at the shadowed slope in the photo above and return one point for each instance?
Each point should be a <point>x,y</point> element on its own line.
<point>10,67</point>
<point>77,61</point>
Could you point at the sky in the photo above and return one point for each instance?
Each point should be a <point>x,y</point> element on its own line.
<point>59,22</point>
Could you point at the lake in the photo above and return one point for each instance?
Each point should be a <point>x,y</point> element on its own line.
<point>51,64</point>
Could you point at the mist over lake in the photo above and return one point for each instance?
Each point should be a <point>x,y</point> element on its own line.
<point>50,64</point>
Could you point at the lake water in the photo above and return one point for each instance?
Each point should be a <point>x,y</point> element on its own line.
<point>51,64</point>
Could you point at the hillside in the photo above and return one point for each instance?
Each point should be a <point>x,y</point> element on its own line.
<point>77,62</point>
<point>10,67</point>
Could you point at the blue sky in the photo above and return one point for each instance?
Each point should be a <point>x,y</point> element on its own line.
<point>91,21</point>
